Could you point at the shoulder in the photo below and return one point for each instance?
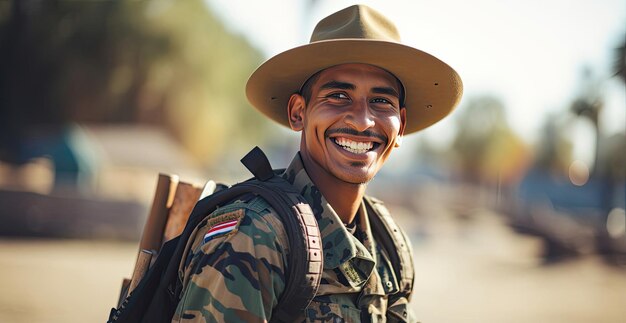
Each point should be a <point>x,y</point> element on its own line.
<point>395,243</point>
<point>234,262</point>
<point>378,207</point>
<point>247,226</point>
<point>245,222</point>
<point>382,219</point>
<point>254,212</point>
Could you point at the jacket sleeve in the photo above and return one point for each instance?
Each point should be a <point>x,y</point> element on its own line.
<point>237,274</point>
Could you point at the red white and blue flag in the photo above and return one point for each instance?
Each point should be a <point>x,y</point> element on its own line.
<point>220,229</point>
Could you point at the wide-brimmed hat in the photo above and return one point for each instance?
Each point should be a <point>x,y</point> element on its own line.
<point>358,34</point>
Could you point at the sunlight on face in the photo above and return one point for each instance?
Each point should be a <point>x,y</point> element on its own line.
<point>352,121</point>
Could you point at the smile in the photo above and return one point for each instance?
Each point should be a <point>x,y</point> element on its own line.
<point>355,147</point>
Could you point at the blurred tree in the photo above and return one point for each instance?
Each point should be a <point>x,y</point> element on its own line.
<point>616,150</point>
<point>620,60</point>
<point>554,152</point>
<point>589,104</point>
<point>204,80</point>
<point>486,148</point>
<point>160,62</point>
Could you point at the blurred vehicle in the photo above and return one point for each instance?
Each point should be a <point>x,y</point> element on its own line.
<point>577,211</point>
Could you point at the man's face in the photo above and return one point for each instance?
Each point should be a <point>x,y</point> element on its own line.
<point>352,121</point>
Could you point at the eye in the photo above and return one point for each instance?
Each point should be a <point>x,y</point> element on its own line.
<point>337,95</point>
<point>381,100</point>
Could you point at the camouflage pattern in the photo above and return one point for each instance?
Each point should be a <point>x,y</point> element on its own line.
<point>239,276</point>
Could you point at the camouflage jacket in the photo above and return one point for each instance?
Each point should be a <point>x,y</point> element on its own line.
<point>233,269</point>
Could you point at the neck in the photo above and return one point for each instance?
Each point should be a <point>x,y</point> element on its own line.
<point>344,197</point>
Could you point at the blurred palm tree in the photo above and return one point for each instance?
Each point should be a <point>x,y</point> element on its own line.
<point>620,60</point>
<point>589,105</point>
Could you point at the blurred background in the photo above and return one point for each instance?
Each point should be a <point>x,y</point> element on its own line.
<point>515,203</point>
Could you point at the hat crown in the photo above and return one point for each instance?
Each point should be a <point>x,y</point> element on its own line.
<point>358,21</point>
<point>358,34</point>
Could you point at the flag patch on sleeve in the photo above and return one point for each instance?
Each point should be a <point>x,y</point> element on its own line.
<point>223,224</point>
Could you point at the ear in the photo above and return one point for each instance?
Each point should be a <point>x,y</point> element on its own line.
<point>295,108</point>
<point>402,127</point>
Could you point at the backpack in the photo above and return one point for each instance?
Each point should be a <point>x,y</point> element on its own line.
<point>156,296</point>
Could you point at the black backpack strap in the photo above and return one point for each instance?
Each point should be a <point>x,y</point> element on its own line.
<point>395,242</point>
<point>305,256</point>
<point>305,262</point>
<point>258,164</point>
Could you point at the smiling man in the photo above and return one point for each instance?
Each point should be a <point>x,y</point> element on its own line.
<point>353,93</point>
<point>350,122</point>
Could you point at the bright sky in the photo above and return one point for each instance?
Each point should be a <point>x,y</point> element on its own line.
<point>529,53</point>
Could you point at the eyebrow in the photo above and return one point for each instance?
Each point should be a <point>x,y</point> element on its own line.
<point>350,86</point>
<point>386,90</point>
<point>337,85</point>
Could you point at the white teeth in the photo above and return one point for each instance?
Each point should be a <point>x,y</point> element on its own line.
<point>354,146</point>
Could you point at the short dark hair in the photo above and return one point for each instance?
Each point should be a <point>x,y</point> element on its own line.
<point>306,90</point>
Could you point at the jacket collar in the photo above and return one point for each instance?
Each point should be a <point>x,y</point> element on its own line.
<point>339,244</point>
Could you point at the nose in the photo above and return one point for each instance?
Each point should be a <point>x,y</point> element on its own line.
<point>359,116</point>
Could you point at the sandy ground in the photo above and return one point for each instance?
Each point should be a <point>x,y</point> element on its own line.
<point>478,270</point>
<point>468,270</point>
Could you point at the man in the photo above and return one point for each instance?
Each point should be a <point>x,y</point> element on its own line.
<point>353,92</point>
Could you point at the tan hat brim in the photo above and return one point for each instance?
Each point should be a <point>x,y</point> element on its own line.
<point>432,87</point>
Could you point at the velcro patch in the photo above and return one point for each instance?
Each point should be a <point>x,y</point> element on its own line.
<point>222,224</point>
<point>353,275</point>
